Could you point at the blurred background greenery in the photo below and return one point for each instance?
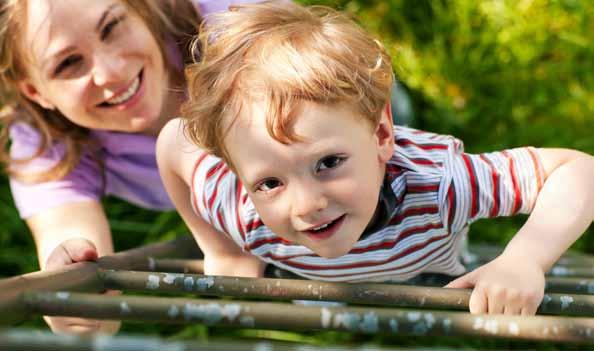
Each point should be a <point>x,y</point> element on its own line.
<point>495,73</point>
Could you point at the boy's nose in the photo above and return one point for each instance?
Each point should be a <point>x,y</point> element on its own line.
<point>308,202</point>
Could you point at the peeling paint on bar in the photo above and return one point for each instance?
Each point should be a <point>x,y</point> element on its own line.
<point>247,321</point>
<point>63,295</point>
<point>287,316</point>
<point>361,293</point>
<point>173,311</point>
<point>153,282</point>
<point>189,283</point>
<point>170,278</point>
<point>108,343</point>
<point>565,301</point>
<point>202,284</point>
<point>151,263</point>
<point>326,317</point>
<point>124,308</point>
<point>394,325</point>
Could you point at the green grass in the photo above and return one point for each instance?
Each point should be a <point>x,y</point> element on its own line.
<point>497,74</point>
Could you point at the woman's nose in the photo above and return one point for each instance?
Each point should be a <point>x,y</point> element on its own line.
<point>108,68</point>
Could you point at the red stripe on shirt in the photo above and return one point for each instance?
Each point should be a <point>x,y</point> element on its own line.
<point>213,196</point>
<point>473,185</point>
<point>495,179</point>
<point>395,270</point>
<point>399,255</point>
<point>414,211</point>
<point>408,142</point>
<point>415,188</point>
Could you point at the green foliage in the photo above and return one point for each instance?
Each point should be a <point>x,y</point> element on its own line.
<point>495,73</point>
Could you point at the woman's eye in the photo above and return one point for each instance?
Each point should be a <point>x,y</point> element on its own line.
<point>66,63</point>
<point>109,27</point>
<point>329,162</point>
<point>268,185</point>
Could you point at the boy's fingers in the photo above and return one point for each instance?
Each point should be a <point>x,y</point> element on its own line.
<point>478,302</point>
<point>496,300</point>
<point>512,310</point>
<point>529,310</point>
<point>464,282</point>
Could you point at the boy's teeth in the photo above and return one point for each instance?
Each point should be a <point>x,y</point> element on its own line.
<point>322,226</point>
<point>125,96</point>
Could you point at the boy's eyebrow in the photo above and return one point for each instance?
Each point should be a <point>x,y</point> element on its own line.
<point>104,16</point>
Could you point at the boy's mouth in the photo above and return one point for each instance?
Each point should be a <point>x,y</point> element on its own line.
<point>325,230</point>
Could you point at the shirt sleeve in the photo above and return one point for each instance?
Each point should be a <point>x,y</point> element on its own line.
<point>83,183</point>
<point>217,195</point>
<point>495,184</point>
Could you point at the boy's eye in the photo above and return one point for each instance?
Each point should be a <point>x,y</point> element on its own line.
<point>66,63</point>
<point>268,185</point>
<point>330,162</point>
<point>109,27</point>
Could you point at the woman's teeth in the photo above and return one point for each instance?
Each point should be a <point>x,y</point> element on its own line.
<point>125,96</point>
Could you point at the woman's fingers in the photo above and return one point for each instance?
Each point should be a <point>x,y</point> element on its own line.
<point>71,251</point>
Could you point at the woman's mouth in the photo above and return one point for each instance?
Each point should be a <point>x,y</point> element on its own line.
<point>325,230</point>
<point>127,97</point>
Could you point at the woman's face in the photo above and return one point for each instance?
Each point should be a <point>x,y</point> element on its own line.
<point>96,62</point>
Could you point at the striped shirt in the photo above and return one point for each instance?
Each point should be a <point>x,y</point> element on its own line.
<point>439,191</point>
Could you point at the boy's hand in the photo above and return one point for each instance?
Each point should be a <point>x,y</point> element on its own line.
<point>68,252</point>
<point>504,286</point>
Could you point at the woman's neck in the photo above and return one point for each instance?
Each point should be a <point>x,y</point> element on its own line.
<point>171,108</point>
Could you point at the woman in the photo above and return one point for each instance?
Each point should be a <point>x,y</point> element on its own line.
<point>86,85</point>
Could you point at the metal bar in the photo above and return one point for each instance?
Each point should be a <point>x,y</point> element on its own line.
<point>82,276</point>
<point>485,253</point>
<point>178,266</point>
<point>283,316</point>
<point>570,285</point>
<point>359,293</point>
<point>34,340</point>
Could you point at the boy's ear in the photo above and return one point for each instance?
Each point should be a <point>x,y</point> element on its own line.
<point>384,133</point>
<point>30,91</point>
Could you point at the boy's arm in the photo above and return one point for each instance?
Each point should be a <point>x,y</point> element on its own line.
<point>176,158</point>
<point>513,283</point>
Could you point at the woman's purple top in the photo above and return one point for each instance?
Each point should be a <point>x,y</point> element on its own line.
<point>130,166</point>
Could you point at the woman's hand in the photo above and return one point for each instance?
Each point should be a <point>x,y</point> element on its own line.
<point>72,251</point>
<point>506,285</point>
<point>68,234</point>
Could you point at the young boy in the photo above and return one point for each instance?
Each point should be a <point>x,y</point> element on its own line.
<point>298,165</point>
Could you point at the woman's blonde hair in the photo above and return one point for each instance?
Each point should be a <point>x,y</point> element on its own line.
<point>281,54</point>
<point>168,20</point>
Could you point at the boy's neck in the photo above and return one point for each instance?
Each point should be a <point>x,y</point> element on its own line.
<point>385,207</point>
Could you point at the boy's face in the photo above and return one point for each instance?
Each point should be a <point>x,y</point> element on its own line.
<point>320,192</point>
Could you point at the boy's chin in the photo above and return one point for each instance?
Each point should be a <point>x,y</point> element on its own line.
<point>331,253</point>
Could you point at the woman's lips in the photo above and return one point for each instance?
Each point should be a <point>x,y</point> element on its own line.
<point>138,89</point>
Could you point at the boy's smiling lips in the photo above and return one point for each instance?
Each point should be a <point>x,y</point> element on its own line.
<point>331,227</point>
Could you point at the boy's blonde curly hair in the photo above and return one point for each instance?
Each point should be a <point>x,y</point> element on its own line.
<point>281,54</point>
